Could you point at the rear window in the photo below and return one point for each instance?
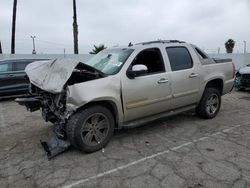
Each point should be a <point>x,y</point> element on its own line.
<point>179,58</point>
<point>5,67</point>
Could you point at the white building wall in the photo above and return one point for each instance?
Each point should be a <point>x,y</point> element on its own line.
<point>240,60</point>
<point>80,57</point>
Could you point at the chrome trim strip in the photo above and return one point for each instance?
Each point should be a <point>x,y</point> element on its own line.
<point>143,102</point>
<point>186,93</point>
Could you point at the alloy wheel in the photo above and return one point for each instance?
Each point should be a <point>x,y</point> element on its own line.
<point>95,129</point>
<point>212,104</point>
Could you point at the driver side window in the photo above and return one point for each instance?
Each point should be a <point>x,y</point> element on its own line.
<point>152,59</point>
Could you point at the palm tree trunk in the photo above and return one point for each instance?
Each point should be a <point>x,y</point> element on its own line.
<point>13,27</point>
<point>1,51</point>
<point>75,28</point>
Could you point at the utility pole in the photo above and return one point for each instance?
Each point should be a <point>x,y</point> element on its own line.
<point>34,48</point>
<point>75,28</point>
<point>1,51</point>
<point>245,47</point>
<point>13,28</point>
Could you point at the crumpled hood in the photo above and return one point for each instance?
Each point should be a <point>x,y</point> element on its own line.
<point>245,70</point>
<point>52,75</point>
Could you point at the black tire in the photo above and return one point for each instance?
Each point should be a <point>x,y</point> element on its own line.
<point>206,109</point>
<point>86,135</point>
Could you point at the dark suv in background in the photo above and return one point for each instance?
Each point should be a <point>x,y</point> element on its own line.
<point>12,76</point>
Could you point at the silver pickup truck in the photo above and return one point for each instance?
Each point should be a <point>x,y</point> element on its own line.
<point>124,87</point>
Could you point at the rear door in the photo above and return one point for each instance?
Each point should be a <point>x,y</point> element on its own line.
<point>6,80</point>
<point>185,79</point>
<point>18,74</point>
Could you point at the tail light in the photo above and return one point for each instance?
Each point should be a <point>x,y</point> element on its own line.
<point>234,70</point>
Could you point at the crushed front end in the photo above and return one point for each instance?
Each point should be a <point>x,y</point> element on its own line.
<point>49,81</point>
<point>53,109</point>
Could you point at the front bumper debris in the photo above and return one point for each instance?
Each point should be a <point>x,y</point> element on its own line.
<point>58,143</point>
<point>55,146</point>
<point>32,103</point>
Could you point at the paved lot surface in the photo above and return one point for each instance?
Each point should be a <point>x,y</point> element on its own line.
<point>181,151</point>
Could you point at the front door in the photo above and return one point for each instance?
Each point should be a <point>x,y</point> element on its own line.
<point>21,83</point>
<point>150,93</point>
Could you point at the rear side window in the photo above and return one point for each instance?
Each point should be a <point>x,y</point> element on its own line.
<point>179,58</point>
<point>201,54</point>
<point>4,67</point>
<point>20,66</point>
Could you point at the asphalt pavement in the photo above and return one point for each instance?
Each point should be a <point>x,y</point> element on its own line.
<point>179,151</point>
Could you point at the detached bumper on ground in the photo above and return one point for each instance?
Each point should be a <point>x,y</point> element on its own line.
<point>55,146</point>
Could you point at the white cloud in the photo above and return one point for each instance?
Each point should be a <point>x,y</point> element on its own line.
<point>206,23</point>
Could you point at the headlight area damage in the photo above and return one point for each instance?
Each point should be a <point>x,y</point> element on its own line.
<point>48,88</point>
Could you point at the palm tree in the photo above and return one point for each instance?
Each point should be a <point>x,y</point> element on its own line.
<point>229,45</point>
<point>75,28</point>
<point>1,51</point>
<point>13,27</point>
<point>97,49</point>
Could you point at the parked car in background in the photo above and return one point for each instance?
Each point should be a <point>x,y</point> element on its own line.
<point>242,80</point>
<point>124,87</point>
<point>12,76</point>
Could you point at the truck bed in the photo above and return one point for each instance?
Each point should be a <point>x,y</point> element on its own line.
<point>222,60</point>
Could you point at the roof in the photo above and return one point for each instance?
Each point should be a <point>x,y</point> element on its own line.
<point>151,43</point>
<point>160,41</point>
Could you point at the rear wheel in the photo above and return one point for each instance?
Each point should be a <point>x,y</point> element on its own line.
<point>209,105</point>
<point>91,129</point>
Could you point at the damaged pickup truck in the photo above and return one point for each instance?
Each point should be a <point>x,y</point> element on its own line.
<point>124,87</point>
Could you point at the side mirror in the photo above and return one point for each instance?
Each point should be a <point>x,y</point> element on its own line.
<point>137,70</point>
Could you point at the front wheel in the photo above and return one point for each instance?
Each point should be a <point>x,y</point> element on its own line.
<point>90,129</point>
<point>210,103</point>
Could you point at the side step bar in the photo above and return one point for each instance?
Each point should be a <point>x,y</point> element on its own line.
<point>146,120</point>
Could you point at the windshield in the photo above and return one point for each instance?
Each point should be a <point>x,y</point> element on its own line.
<point>110,61</point>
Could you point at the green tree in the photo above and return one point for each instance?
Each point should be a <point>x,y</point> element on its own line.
<point>229,45</point>
<point>97,49</point>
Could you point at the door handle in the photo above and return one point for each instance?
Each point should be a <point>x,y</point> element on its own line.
<point>192,75</point>
<point>10,75</point>
<point>162,80</point>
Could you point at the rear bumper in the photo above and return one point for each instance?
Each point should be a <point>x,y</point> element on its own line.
<point>228,86</point>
